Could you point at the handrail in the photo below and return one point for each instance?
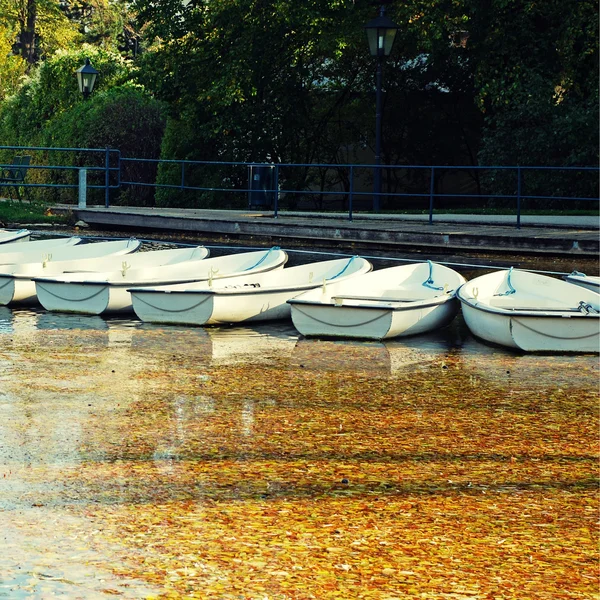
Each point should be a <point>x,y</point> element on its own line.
<point>113,164</point>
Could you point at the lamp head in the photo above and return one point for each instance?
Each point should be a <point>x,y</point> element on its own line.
<point>86,78</point>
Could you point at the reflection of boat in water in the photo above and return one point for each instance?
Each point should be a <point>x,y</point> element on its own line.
<point>172,341</point>
<point>385,358</point>
<point>251,344</point>
<point>51,321</point>
<point>6,320</point>
<point>494,364</point>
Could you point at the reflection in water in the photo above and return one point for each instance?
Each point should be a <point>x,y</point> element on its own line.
<point>512,369</point>
<point>384,358</point>
<point>6,320</point>
<point>155,438</point>
<point>56,320</point>
<point>172,341</point>
<point>255,344</point>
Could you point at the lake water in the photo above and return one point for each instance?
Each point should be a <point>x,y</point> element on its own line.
<point>143,461</point>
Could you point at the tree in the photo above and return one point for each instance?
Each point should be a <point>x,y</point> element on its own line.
<point>537,84</point>
<point>38,27</point>
<point>12,67</point>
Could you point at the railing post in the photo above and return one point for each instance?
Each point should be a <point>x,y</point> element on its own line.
<point>119,169</point>
<point>182,175</point>
<point>106,177</point>
<point>351,193</point>
<point>82,200</point>
<point>431,194</point>
<point>276,192</point>
<point>518,197</point>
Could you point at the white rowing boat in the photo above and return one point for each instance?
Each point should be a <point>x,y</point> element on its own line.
<point>397,301</point>
<point>12,237</point>
<point>250,298</point>
<point>531,312</point>
<point>587,281</point>
<point>98,293</point>
<point>17,285</point>
<point>31,251</point>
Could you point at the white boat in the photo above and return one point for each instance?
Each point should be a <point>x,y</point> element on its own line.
<point>397,301</point>
<point>587,281</point>
<point>11,237</point>
<point>531,312</point>
<point>256,297</point>
<point>17,285</point>
<point>35,250</point>
<point>97,293</point>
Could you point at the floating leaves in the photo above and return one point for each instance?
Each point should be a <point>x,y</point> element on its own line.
<point>325,470</point>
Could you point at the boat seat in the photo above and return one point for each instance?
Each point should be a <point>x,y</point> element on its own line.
<point>525,303</point>
<point>408,297</point>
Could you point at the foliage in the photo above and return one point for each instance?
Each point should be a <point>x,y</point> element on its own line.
<point>51,90</point>
<point>540,97</point>
<point>49,111</point>
<point>12,68</point>
<point>497,82</point>
<point>123,117</point>
<point>99,22</point>
<point>37,28</point>
<point>292,83</point>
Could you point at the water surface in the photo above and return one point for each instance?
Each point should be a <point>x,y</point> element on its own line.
<point>245,462</point>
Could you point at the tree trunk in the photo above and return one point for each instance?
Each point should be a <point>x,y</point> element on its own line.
<point>28,37</point>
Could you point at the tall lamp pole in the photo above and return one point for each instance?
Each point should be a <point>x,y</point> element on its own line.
<point>381,33</point>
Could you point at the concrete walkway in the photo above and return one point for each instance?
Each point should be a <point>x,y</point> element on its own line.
<point>558,235</point>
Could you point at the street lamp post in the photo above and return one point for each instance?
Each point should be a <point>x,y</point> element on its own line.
<point>86,78</point>
<point>381,33</point>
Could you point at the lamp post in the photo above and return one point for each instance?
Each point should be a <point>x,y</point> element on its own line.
<point>381,33</point>
<point>86,78</point>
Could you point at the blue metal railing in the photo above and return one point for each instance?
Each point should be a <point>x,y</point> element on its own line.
<point>105,155</point>
<point>276,191</point>
<point>112,166</point>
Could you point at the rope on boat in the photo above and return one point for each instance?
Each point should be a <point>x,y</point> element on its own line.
<point>345,267</point>
<point>511,289</point>
<point>429,281</point>
<point>264,257</point>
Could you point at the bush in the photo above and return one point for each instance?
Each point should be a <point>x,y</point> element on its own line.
<point>49,111</point>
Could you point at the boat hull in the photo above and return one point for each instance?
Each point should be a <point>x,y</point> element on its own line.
<point>254,298</point>
<point>110,292</point>
<point>590,283</point>
<point>16,290</point>
<point>37,250</point>
<point>86,299</point>
<point>531,312</point>
<point>395,302</point>
<point>14,237</point>
<point>531,333</point>
<point>372,323</point>
<point>210,308</point>
<point>16,281</point>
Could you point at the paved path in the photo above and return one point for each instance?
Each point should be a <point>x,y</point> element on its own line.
<point>564,235</point>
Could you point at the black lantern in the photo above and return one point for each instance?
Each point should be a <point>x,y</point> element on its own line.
<point>381,33</point>
<point>86,78</point>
